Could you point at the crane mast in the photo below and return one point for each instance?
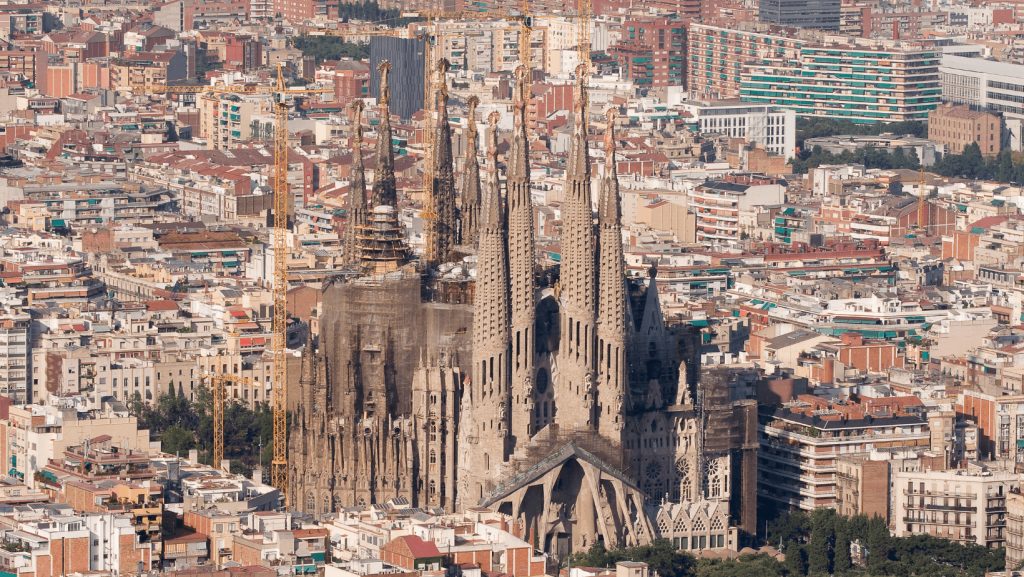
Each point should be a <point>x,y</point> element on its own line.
<point>280,93</point>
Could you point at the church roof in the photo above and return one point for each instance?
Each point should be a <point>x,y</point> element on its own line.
<point>568,451</point>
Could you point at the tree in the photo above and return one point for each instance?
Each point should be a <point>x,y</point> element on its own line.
<point>796,560</point>
<point>895,188</point>
<point>745,566</point>
<point>661,557</point>
<point>841,561</point>
<point>820,547</point>
<point>177,440</point>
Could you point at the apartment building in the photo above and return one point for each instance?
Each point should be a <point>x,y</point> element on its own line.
<point>1014,531</point>
<point>718,204</point>
<point>962,505</point>
<point>652,52</point>
<point>14,355</point>
<point>226,120</point>
<point>146,71</point>
<point>820,14</point>
<point>864,81</point>
<point>717,55</point>
<point>802,442</point>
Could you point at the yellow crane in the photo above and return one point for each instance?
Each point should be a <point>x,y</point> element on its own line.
<point>281,93</point>
<point>218,388</point>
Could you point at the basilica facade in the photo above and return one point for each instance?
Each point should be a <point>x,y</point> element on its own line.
<point>553,395</point>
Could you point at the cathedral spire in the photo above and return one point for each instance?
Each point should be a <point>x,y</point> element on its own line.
<point>575,395</point>
<point>441,239</point>
<point>486,436</point>
<point>356,206</point>
<point>611,316</point>
<point>470,213</point>
<point>385,190</point>
<point>521,255</point>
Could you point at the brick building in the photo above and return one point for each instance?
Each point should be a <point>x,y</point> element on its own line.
<point>956,126</point>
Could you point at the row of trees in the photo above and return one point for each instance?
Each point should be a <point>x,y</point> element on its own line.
<point>817,544</point>
<point>869,157</point>
<point>1004,167</point>
<point>182,425</point>
<point>811,127</point>
<point>323,48</point>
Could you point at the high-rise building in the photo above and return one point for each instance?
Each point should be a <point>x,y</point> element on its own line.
<point>652,52</point>
<point>718,56</point>
<point>406,76</point>
<point>820,14</point>
<point>864,81</point>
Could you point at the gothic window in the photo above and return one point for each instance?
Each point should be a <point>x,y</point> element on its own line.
<point>713,479</point>
<point>653,471</point>
<point>310,502</point>
<point>716,524</point>
<point>433,432</point>
<point>327,503</point>
<point>683,467</point>
<point>542,381</point>
<point>687,491</point>
<point>433,457</point>
<point>433,487</point>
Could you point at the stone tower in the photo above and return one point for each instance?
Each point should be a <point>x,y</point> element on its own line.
<point>487,401</point>
<point>521,255</point>
<point>385,189</point>
<point>442,237</point>
<point>611,298</point>
<point>469,214</point>
<point>357,202</point>
<point>575,393</point>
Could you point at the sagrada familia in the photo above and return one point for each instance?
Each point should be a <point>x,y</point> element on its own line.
<point>556,395</point>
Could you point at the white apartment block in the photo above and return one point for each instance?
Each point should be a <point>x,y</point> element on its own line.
<point>771,128</point>
<point>957,505</point>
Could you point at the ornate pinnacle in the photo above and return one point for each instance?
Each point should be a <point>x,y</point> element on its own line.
<point>579,101</point>
<point>491,211</point>
<point>472,103</point>
<point>356,110</point>
<point>609,139</point>
<point>492,145</point>
<point>385,89</point>
<point>443,66</point>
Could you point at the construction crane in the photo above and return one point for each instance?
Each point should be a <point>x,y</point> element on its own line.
<point>218,383</point>
<point>281,95</point>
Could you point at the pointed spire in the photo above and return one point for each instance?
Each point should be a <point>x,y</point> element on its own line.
<point>522,263</point>
<point>356,206</point>
<point>491,211</point>
<point>384,186</point>
<point>612,312</point>
<point>470,213</point>
<point>608,209</point>
<point>442,234</point>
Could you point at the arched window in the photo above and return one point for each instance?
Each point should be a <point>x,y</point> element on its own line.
<point>433,457</point>
<point>311,502</point>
